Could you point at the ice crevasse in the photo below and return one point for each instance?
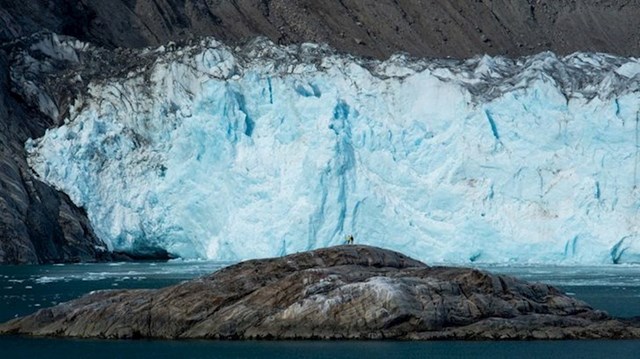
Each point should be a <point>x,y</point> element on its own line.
<point>262,150</point>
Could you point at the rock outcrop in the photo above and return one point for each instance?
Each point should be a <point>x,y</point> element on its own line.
<point>344,292</point>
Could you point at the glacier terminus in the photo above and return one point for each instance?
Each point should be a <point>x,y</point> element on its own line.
<point>259,150</point>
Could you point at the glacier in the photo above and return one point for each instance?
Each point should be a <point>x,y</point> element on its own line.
<point>229,153</point>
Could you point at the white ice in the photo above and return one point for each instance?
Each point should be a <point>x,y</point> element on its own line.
<point>262,150</point>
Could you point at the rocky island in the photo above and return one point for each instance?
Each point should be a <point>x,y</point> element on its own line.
<point>343,292</point>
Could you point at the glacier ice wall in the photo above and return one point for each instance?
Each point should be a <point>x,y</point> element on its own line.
<point>263,150</point>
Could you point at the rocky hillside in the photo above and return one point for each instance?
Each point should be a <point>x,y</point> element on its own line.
<point>457,28</point>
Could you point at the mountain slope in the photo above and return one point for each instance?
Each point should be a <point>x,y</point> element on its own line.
<point>456,28</point>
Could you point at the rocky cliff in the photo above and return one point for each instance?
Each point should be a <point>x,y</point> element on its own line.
<point>37,223</point>
<point>344,292</point>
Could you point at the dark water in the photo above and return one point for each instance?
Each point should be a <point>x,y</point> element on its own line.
<point>612,288</point>
<point>25,289</point>
<point>39,348</point>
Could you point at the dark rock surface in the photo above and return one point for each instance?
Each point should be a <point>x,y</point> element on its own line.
<point>344,292</point>
<point>37,223</point>
<point>458,28</point>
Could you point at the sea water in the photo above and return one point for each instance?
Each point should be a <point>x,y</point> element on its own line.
<point>25,289</point>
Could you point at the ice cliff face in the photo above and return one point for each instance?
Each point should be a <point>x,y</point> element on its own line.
<point>263,150</point>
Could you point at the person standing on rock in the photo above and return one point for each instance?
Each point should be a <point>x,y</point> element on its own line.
<point>349,239</point>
